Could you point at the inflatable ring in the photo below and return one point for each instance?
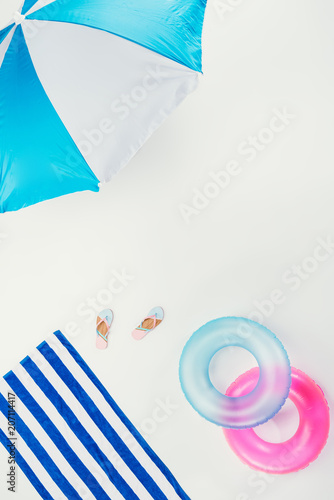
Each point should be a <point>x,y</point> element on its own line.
<point>299,451</point>
<point>248,410</point>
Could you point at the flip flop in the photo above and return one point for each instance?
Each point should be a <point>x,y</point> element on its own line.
<point>103,324</point>
<point>152,320</point>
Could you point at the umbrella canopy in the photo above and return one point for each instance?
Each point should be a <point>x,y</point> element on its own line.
<point>83,84</point>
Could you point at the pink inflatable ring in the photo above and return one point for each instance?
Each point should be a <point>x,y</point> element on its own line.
<point>300,450</point>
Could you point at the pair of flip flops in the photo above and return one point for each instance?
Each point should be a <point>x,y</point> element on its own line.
<point>105,319</point>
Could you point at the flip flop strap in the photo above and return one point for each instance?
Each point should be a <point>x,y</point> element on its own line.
<point>104,338</point>
<point>154,317</point>
<point>103,320</point>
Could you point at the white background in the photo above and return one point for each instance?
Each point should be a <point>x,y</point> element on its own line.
<point>260,55</point>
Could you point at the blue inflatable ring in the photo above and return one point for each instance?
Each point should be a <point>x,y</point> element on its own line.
<point>252,409</point>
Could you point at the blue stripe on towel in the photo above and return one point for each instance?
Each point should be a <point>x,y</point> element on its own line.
<point>154,457</point>
<point>78,429</point>
<point>56,437</point>
<point>41,454</point>
<point>101,421</point>
<point>26,469</point>
<point>70,450</point>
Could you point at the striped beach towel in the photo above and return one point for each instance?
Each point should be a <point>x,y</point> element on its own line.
<point>73,441</point>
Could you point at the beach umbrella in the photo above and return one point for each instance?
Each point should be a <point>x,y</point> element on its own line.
<point>83,84</point>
